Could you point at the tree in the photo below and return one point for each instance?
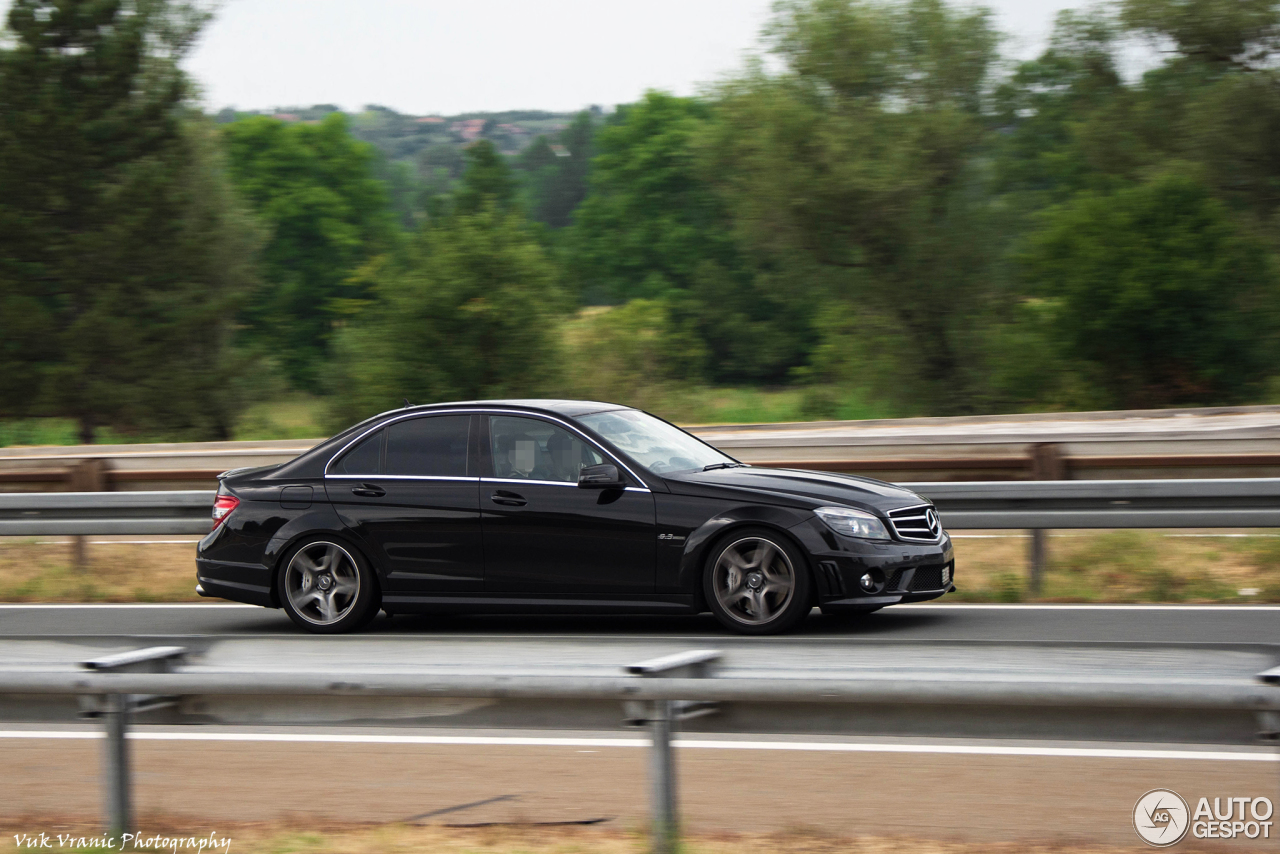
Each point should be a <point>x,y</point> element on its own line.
<point>1158,291</point>
<point>314,187</point>
<point>1243,33</point>
<point>653,227</point>
<point>556,181</point>
<point>1068,117</point>
<point>472,311</point>
<point>850,173</point>
<point>487,180</point>
<point>123,252</point>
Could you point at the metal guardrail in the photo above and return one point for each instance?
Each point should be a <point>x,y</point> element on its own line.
<point>1218,442</point>
<point>1002,467</point>
<point>1219,503</point>
<point>118,686</point>
<point>38,514</point>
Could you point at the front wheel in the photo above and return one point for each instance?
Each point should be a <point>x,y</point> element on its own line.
<point>757,583</point>
<point>327,588</point>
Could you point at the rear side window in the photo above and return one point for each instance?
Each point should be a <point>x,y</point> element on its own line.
<point>429,447</point>
<point>364,458</point>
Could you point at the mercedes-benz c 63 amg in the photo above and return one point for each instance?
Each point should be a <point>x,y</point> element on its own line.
<point>557,507</point>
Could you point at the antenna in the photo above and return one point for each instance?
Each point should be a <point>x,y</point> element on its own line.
<point>407,404</point>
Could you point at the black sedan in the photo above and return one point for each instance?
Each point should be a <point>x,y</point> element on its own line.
<point>556,507</point>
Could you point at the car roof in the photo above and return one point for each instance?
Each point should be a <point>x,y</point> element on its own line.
<point>570,408</point>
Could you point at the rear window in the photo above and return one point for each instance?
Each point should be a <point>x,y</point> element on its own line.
<point>364,458</point>
<point>429,447</point>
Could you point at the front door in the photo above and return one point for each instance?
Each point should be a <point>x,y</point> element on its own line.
<point>542,533</point>
<point>406,491</point>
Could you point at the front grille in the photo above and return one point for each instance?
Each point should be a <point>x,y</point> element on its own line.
<point>913,524</point>
<point>927,578</point>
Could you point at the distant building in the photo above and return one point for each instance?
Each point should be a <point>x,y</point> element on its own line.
<point>468,129</point>
<point>286,117</point>
<point>559,150</point>
<point>430,120</point>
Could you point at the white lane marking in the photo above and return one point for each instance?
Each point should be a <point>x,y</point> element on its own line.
<point>119,542</point>
<point>1066,536</point>
<point>974,606</point>
<point>931,606</point>
<point>688,743</point>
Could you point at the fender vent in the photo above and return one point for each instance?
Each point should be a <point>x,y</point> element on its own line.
<point>833,577</point>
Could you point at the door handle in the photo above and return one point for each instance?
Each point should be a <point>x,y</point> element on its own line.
<point>369,490</point>
<point>509,499</point>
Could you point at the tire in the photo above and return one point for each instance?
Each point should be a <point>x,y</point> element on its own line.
<point>327,587</point>
<point>757,582</point>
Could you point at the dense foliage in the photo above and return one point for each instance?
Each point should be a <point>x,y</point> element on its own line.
<point>884,208</point>
<point>124,253</point>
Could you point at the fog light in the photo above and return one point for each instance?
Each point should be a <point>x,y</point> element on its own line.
<point>868,582</point>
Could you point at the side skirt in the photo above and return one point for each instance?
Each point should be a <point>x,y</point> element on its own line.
<point>508,604</point>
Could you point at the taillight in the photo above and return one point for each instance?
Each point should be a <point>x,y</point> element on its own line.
<point>222,507</point>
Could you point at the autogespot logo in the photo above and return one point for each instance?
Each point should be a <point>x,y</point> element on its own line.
<point>1161,818</point>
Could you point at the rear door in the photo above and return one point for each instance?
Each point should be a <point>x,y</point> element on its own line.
<point>410,492</point>
<point>543,534</point>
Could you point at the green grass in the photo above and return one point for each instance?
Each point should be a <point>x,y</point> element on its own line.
<point>296,416</point>
<point>300,416</point>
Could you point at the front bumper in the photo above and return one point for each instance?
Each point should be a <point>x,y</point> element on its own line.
<point>901,572</point>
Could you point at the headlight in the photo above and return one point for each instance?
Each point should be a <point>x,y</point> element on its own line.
<point>853,523</point>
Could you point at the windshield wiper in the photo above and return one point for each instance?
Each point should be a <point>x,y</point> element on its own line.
<point>715,466</point>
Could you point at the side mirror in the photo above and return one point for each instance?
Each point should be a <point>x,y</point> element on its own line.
<point>603,476</point>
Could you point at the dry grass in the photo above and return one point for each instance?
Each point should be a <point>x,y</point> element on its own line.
<point>313,838</point>
<point>1107,566</point>
<point>39,570</point>
<point>1123,566</point>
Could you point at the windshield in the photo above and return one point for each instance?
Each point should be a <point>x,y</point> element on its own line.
<point>654,443</point>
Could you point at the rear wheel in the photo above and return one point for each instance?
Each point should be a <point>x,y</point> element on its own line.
<point>327,587</point>
<point>756,582</point>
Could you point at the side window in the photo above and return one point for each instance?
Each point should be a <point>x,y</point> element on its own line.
<point>364,458</point>
<point>537,450</point>
<point>435,446</point>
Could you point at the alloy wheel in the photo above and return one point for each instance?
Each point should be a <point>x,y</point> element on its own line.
<point>753,580</point>
<point>322,583</point>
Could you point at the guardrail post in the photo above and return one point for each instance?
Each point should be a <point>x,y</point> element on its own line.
<point>1047,463</point>
<point>662,780</point>
<point>115,711</point>
<point>659,716</point>
<point>1269,720</point>
<point>116,766</point>
<point>85,476</point>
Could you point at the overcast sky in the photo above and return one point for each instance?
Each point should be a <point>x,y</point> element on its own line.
<point>453,56</point>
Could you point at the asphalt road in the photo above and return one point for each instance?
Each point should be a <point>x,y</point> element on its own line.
<point>1075,796</point>
<point>931,622</point>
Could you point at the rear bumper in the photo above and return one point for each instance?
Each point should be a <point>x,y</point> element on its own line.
<point>248,583</point>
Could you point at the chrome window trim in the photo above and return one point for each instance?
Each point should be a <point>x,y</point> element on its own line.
<point>529,480</point>
<point>568,483</point>
<point>484,411</point>
<point>401,477</point>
